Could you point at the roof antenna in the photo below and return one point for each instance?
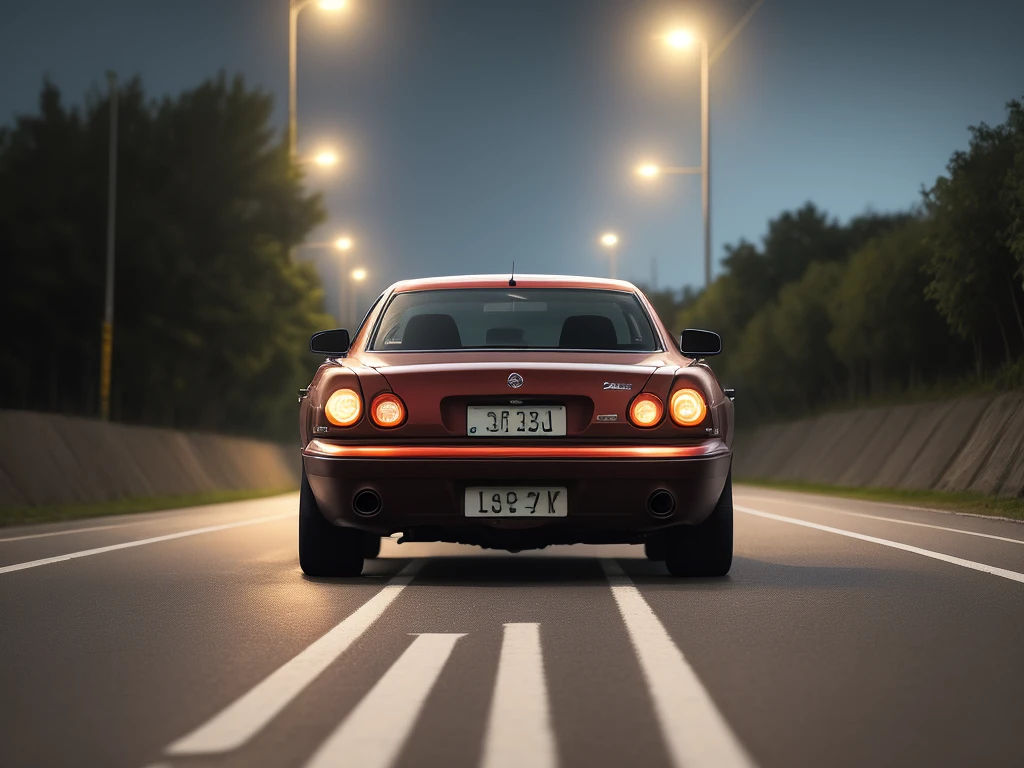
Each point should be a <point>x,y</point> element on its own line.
<point>512,280</point>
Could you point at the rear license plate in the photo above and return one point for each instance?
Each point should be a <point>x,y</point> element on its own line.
<point>519,501</point>
<point>515,421</point>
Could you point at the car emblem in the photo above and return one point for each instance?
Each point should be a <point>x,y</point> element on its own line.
<point>515,380</point>
<point>617,385</point>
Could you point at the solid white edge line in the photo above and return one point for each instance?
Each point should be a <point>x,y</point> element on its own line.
<point>65,533</point>
<point>519,724</point>
<point>991,569</point>
<point>375,731</point>
<point>883,518</point>
<point>246,716</point>
<point>695,732</point>
<point>140,542</point>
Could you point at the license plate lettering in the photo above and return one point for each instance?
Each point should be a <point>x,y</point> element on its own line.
<point>535,421</point>
<point>516,502</point>
<point>552,500</point>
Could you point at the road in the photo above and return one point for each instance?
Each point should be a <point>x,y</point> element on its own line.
<point>847,634</point>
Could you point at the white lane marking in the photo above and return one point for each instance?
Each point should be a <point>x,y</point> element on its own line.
<point>788,502</point>
<point>243,719</point>
<point>696,734</point>
<point>519,726</point>
<point>375,731</point>
<point>1002,572</point>
<point>140,542</point>
<point>65,533</point>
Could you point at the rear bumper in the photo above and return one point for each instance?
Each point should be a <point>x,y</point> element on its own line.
<point>422,488</point>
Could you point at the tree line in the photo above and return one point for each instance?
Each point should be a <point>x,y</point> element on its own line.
<point>931,299</point>
<point>211,317</point>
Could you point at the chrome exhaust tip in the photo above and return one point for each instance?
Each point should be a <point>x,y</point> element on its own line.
<point>661,503</point>
<point>366,503</point>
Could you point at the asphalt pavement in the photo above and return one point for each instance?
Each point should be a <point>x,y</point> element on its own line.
<point>848,634</point>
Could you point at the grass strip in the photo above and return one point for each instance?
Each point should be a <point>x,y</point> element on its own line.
<point>949,501</point>
<point>25,515</point>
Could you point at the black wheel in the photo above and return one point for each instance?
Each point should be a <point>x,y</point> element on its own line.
<point>371,546</point>
<point>656,547</point>
<point>325,549</point>
<point>705,549</point>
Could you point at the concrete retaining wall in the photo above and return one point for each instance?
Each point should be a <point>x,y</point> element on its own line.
<point>968,444</point>
<point>47,459</point>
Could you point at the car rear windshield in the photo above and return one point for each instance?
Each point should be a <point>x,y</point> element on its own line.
<point>510,318</point>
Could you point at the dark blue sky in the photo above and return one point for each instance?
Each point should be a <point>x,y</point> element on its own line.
<point>482,131</point>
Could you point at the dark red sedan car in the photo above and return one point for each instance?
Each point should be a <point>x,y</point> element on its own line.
<point>514,413</point>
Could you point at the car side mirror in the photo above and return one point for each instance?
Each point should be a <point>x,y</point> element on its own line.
<point>696,343</point>
<point>330,343</point>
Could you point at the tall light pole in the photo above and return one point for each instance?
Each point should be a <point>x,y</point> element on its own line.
<point>343,245</point>
<point>355,277</point>
<point>295,7</point>
<point>610,241</point>
<point>682,39</point>
<point>107,348</point>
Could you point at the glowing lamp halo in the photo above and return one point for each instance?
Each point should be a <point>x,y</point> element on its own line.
<point>388,411</point>
<point>344,407</point>
<point>646,410</point>
<point>687,407</point>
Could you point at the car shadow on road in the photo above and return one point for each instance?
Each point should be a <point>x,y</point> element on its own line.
<point>553,570</point>
<point>752,573</point>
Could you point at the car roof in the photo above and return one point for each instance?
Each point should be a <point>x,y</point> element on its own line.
<point>502,281</point>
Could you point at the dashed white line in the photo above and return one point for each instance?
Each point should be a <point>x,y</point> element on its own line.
<point>696,734</point>
<point>519,726</point>
<point>139,543</point>
<point>1001,572</point>
<point>240,721</point>
<point>883,518</point>
<point>375,731</point>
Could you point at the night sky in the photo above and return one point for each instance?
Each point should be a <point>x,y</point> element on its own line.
<point>481,131</point>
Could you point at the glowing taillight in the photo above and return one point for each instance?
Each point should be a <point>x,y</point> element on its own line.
<point>387,410</point>
<point>646,410</point>
<point>344,408</point>
<point>687,407</point>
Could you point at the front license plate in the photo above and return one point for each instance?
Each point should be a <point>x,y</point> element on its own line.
<point>521,501</point>
<point>515,421</point>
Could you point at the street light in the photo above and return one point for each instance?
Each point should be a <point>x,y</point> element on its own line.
<point>344,243</point>
<point>326,158</point>
<point>355,277</point>
<point>651,171</point>
<point>610,241</point>
<point>295,7</point>
<point>680,38</point>
<point>684,39</point>
<point>107,339</point>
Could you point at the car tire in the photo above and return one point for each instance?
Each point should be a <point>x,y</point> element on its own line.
<point>325,549</point>
<point>705,549</point>
<point>656,547</point>
<point>371,546</point>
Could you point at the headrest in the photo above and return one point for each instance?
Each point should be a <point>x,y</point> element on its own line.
<point>426,332</point>
<point>588,332</point>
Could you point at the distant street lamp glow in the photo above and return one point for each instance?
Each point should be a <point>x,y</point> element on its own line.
<point>343,243</point>
<point>326,158</point>
<point>358,274</point>
<point>610,240</point>
<point>680,38</point>
<point>648,170</point>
